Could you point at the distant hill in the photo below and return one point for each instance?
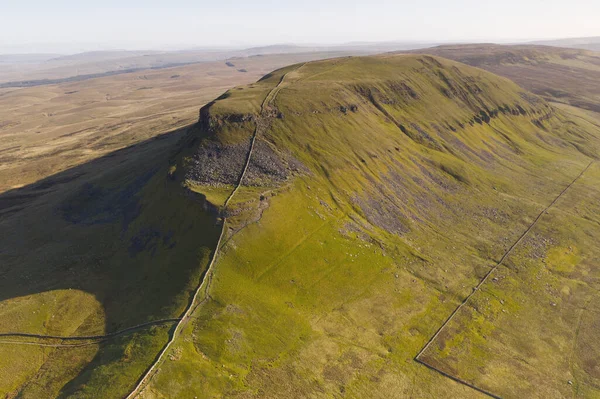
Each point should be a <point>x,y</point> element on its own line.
<point>570,76</point>
<point>277,49</point>
<point>26,58</point>
<point>93,64</point>
<point>586,43</point>
<point>95,56</point>
<point>33,70</point>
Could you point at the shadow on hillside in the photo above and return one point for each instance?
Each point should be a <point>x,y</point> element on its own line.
<point>116,227</point>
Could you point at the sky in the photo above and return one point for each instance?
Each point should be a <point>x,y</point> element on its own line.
<point>82,25</point>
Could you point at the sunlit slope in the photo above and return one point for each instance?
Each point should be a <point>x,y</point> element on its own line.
<point>380,191</point>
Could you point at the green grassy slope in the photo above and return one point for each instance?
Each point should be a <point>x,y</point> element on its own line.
<point>534,319</point>
<point>379,194</point>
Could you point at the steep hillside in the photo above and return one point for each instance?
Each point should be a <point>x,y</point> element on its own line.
<point>565,75</point>
<point>376,194</point>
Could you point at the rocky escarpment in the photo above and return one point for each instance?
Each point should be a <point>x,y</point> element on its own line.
<point>217,161</point>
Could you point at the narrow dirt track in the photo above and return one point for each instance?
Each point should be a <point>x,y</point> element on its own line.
<point>485,278</point>
<point>261,125</point>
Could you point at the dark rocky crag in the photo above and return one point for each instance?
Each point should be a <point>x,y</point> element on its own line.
<point>219,163</point>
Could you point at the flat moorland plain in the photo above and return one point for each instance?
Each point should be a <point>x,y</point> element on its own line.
<point>380,192</point>
<point>47,129</point>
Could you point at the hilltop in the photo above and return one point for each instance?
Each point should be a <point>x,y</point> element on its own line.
<point>334,215</point>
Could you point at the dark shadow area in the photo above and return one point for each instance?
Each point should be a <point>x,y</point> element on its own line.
<point>119,227</point>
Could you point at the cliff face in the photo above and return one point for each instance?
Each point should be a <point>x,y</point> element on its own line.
<point>212,123</point>
<point>227,136</point>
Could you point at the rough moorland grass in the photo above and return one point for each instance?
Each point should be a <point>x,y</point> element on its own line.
<point>420,174</point>
<point>535,318</point>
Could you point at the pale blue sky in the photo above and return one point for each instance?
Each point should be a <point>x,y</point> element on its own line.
<point>184,23</point>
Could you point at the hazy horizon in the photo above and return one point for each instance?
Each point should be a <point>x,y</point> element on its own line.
<point>66,26</point>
